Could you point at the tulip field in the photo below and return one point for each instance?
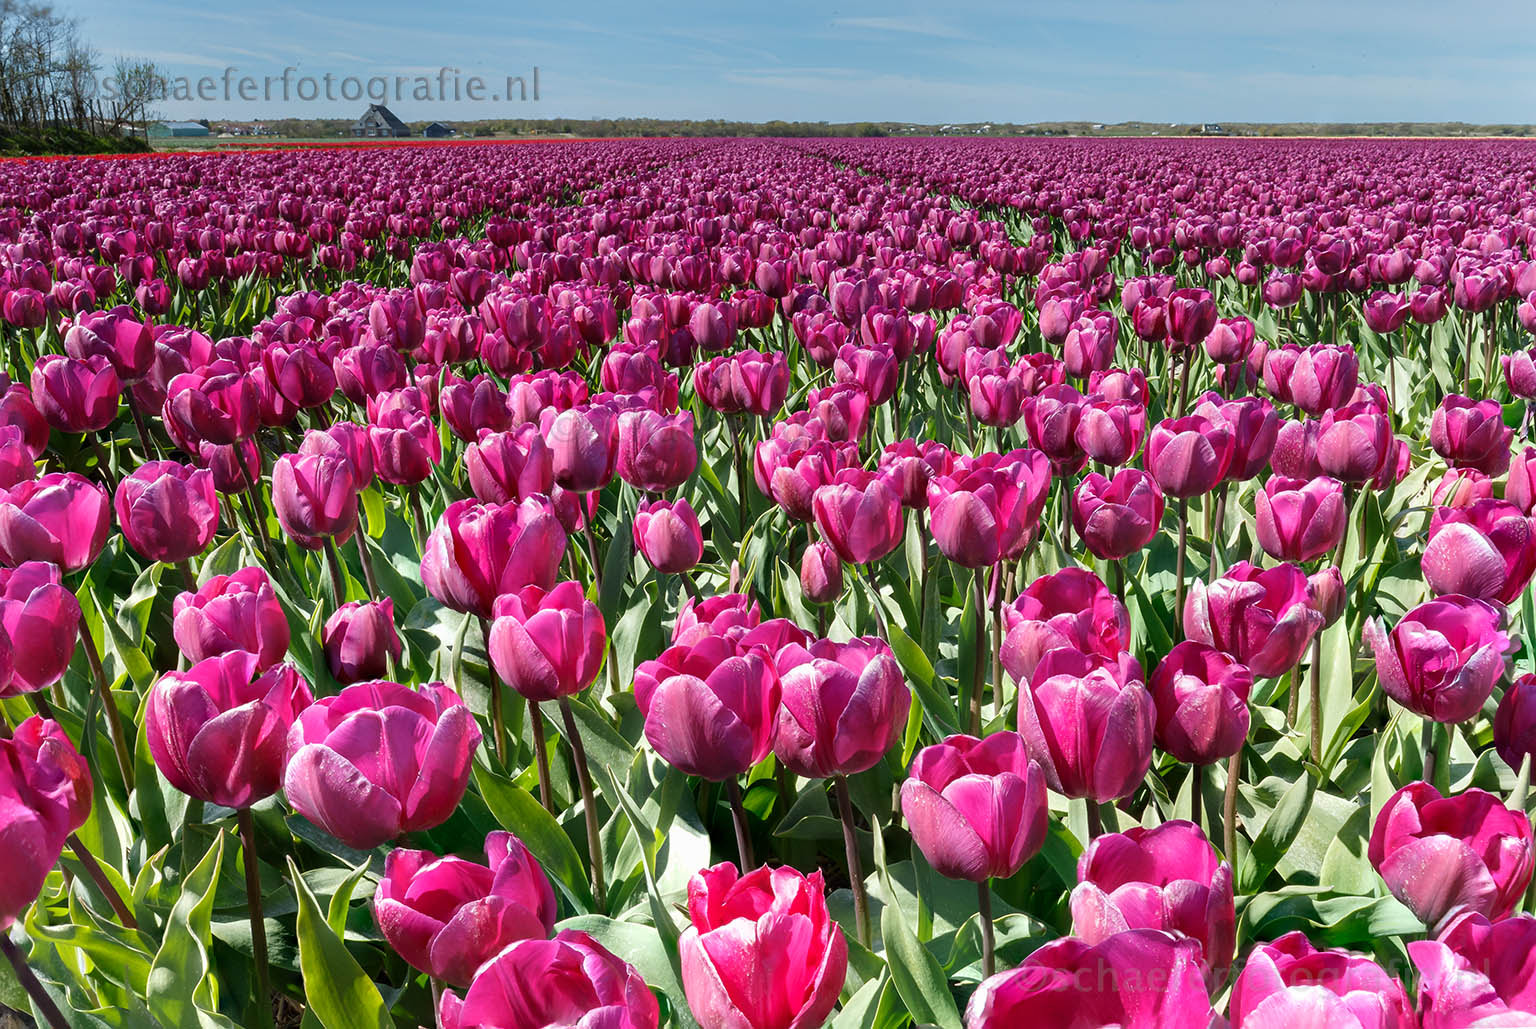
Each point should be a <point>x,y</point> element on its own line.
<point>770,584</point>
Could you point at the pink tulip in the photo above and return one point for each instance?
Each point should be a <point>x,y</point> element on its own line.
<point>61,517</point>
<point>583,446</point>
<point>843,706</point>
<point>1514,725</point>
<point>656,452</point>
<point>41,621</point>
<point>547,644</point>
<point>1487,551</point>
<point>232,612</point>
<point>509,467</point>
<point>1520,373</point>
<point>1291,983</point>
<point>1461,487</point>
<point>860,516</point>
<point>1140,978</point>
<point>1471,434</point>
<point>1478,973</point>
<point>821,573</point>
<point>217,731</point>
<point>359,640</point>
<point>976,808</point>
<point>731,614</point>
<point>1070,609</point>
<point>315,498</point>
<point>1117,517</point>
<point>1052,418</point>
<point>1167,878</point>
<point>978,515</point>
<point>1447,856</point>
<point>715,717</point>
<point>1298,520</point>
<point>1255,427</point>
<point>1111,431</point>
<point>168,512</point>
<point>76,394</point>
<point>1443,658</point>
<point>447,916</point>
<point>1071,709</point>
<point>1201,696</point>
<point>668,535</point>
<point>45,794</point>
<point>477,552</point>
<point>380,759</point>
<point>762,951</point>
<point>571,980</point>
<point>1264,618</point>
<point>1323,377</point>
<point>1189,456</point>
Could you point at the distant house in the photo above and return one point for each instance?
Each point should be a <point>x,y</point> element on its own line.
<point>1212,129</point>
<point>437,130</point>
<point>169,129</point>
<point>379,120</point>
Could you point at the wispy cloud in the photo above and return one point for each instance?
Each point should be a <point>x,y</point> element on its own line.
<point>907,26</point>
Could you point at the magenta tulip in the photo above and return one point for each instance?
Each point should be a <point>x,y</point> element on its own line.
<point>1443,658</point>
<point>360,641</point>
<point>41,621</point>
<point>380,759</point>
<point>843,706</point>
<point>1167,878</point>
<point>547,644</point>
<point>76,394</point>
<point>571,980</point>
<point>1201,696</point>
<point>315,498</point>
<point>656,452</point>
<point>477,552</point>
<point>583,446</point>
<point>1189,456</point>
<point>1264,618</point>
<point>1478,973</point>
<point>976,807</point>
<point>1141,978</point>
<point>668,535</point>
<point>1297,520</point>
<point>1487,551</point>
<point>1291,983</point>
<point>762,951</point>
<point>714,718</point>
<point>232,612</point>
<point>219,730</point>
<point>61,517</point>
<point>447,916</point>
<point>1471,434</point>
<point>168,511</point>
<point>1448,856</point>
<point>860,516</point>
<point>1117,517</point>
<point>1071,609</point>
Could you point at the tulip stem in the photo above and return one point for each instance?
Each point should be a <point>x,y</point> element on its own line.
<point>366,560</point>
<point>1095,818</point>
<point>1218,521</point>
<point>1293,697</point>
<point>589,806</point>
<point>855,867</point>
<point>418,517</point>
<point>1522,785</point>
<point>997,639</point>
<point>739,819</point>
<point>114,720</point>
<point>988,940</point>
<point>1229,808</point>
<point>150,447</point>
<point>1178,571</point>
<point>258,924</point>
<point>40,998</point>
<point>980,646</point>
<point>1184,363</point>
<point>1196,784</point>
<point>874,597</point>
<point>99,877</point>
<point>188,577</point>
<point>338,579</point>
<point>437,1000</point>
<point>1315,700</point>
<point>498,718</point>
<point>591,540</point>
<point>540,754</point>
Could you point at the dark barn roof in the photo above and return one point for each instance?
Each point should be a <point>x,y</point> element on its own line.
<point>396,126</point>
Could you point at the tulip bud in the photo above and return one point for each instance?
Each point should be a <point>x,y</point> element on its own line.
<point>584,446</point>
<point>1189,456</point>
<point>1298,520</point>
<point>859,516</point>
<point>821,573</point>
<point>1471,434</point>
<point>76,394</point>
<point>656,452</point>
<point>360,641</point>
<point>1201,696</point>
<point>1290,982</point>
<point>1086,699</point>
<point>715,717</point>
<point>41,620</point>
<point>1264,618</point>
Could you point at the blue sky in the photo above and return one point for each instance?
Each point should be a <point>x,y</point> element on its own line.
<point>1109,60</point>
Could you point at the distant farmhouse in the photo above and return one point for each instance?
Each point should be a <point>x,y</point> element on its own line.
<point>437,130</point>
<point>169,129</point>
<point>379,120</point>
<point>1213,129</point>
